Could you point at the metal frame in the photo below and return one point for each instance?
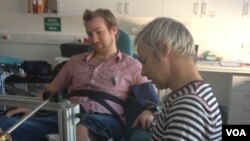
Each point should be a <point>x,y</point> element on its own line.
<point>66,112</point>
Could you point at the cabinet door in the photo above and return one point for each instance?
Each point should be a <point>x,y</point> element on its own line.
<point>133,8</point>
<point>72,7</point>
<point>181,9</point>
<point>221,8</point>
<point>239,99</point>
<point>217,29</point>
<point>218,36</point>
<point>201,8</point>
<point>245,46</point>
<point>143,8</point>
<point>115,6</point>
<point>241,82</point>
<point>245,31</point>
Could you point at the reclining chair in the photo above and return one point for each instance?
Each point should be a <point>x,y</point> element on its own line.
<point>132,110</point>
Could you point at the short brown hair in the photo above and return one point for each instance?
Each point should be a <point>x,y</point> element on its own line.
<point>106,14</point>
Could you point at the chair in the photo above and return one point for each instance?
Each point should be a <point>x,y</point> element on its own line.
<point>124,43</point>
<point>10,60</point>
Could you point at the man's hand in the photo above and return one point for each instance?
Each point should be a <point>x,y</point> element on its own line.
<point>17,111</point>
<point>144,120</point>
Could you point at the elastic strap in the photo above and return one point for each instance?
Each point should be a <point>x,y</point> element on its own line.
<point>100,97</point>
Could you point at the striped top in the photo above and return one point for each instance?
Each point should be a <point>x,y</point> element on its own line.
<point>189,113</point>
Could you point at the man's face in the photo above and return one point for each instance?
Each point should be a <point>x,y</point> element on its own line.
<point>151,66</point>
<point>100,37</point>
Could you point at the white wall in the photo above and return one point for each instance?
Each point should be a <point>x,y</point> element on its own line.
<point>28,40</point>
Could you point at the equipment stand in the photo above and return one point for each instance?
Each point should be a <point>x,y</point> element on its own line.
<point>66,113</point>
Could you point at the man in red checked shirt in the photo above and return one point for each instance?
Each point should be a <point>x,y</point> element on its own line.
<point>100,81</point>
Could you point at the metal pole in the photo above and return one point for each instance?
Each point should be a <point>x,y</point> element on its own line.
<point>27,116</point>
<point>66,115</point>
<point>2,87</point>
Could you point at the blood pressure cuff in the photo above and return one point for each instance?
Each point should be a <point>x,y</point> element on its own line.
<point>145,95</point>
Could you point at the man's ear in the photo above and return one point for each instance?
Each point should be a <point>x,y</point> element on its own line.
<point>114,29</point>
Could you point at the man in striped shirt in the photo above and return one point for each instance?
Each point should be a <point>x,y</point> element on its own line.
<point>191,111</point>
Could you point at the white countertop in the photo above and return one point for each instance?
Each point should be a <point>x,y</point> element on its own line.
<point>215,66</point>
<point>206,66</point>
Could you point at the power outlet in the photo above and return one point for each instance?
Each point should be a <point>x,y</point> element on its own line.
<point>5,37</point>
<point>79,39</point>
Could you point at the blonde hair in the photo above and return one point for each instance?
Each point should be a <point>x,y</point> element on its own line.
<point>163,33</point>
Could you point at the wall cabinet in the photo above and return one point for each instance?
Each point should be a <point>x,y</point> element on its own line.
<point>73,7</point>
<point>208,21</point>
<point>245,30</point>
<point>190,9</point>
<point>220,8</point>
<point>239,106</point>
<point>118,7</point>
<point>218,29</point>
<point>180,9</point>
<point>133,8</point>
<point>146,8</point>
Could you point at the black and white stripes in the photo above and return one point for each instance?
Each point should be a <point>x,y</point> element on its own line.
<point>190,113</point>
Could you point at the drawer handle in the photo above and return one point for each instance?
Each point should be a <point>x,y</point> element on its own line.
<point>203,8</point>
<point>246,5</point>
<point>127,8</point>
<point>195,8</point>
<point>245,110</point>
<point>119,7</point>
<point>247,82</point>
<point>247,95</point>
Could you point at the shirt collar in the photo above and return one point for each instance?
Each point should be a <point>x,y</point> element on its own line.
<point>89,55</point>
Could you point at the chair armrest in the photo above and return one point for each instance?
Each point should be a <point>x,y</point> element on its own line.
<point>140,135</point>
<point>132,110</point>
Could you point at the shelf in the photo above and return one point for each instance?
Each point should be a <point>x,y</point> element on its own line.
<point>42,6</point>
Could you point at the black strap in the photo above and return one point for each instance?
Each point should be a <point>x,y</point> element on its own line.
<point>97,95</point>
<point>100,97</point>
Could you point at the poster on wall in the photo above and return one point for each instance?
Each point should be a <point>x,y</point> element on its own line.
<point>52,24</point>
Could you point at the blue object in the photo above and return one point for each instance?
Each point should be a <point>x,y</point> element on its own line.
<point>124,43</point>
<point>34,129</point>
<point>133,108</point>
<point>145,95</point>
<point>132,111</point>
<point>107,125</point>
<point>140,135</point>
<point>10,60</point>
